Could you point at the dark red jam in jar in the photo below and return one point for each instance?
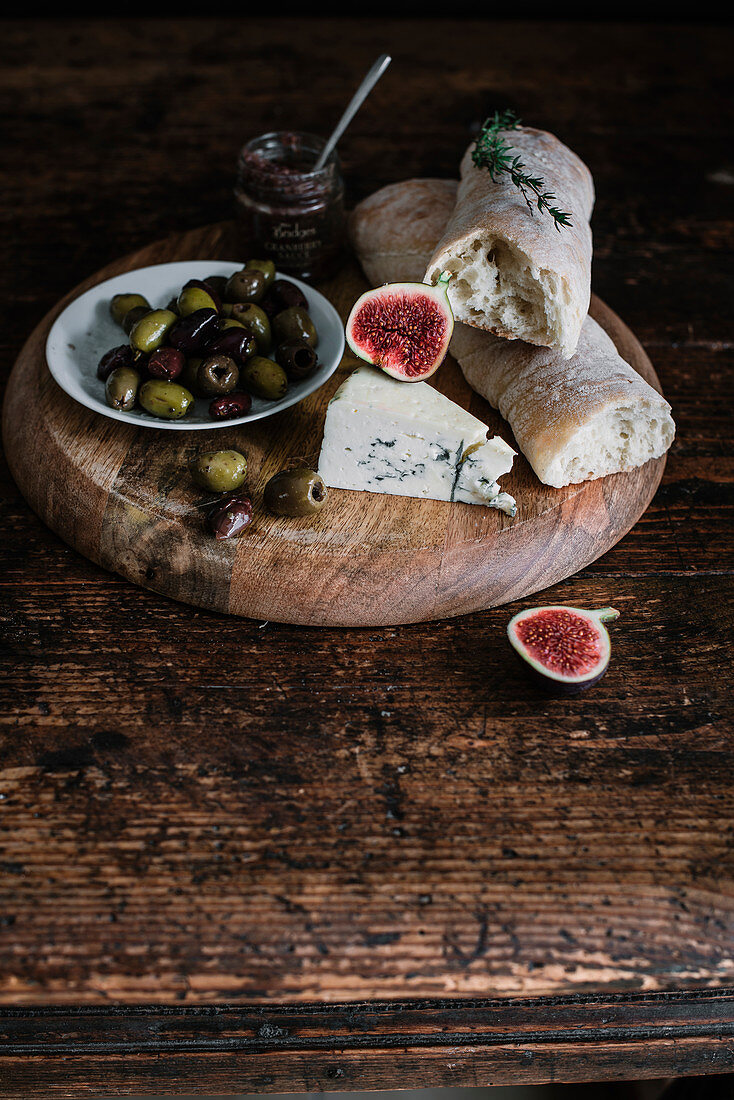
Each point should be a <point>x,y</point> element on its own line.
<point>287,212</point>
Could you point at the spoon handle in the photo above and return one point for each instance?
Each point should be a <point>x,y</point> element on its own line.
<point>356,102</point>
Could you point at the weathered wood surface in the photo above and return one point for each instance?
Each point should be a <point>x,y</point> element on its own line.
<point>197,811</point>
<point>124,497</point>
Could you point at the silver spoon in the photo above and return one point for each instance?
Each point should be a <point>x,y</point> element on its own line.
<point>357,100</point>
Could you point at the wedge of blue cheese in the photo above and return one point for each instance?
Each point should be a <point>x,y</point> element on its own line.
<point>386,436</point>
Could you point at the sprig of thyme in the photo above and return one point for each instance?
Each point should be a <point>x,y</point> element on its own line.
<point>492,152</point>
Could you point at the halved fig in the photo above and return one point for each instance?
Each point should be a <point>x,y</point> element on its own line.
<point>567,649</point>
<point>403,328</point>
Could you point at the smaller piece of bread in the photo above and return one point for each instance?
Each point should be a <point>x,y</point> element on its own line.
<point>576,419</point>
<point>394,229</point>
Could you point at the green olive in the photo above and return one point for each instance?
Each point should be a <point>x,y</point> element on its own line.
<point>294,325</point>
<point>267,267</point>
<point>150,331</point>
<point>246,286</point>
<point>229,322</point>
<point>192,298</point>
<point>264,378</point>
<point>258,322</point>
<point>121,388</point>
<point>122,303</point>
<point>298,492</point>
<point>219,471</point>
<point>132,317</point>
<point>166,399</point>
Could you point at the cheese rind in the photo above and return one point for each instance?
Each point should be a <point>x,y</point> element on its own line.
<point>407,439</point>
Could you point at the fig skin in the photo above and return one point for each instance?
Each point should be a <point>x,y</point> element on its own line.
<point>587,645</point>
<point>393,341</point>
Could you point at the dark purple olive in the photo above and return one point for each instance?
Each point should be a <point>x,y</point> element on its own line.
<point>122,356</point>
<point>238,343</point>
<point>230,406</point>
<point>282,295</point>
<point>204,284</point>
<point>297,360</point>
<point>217,283</point>
<point>191,334</point>
<point>230,515</point>
<point>166,363</point>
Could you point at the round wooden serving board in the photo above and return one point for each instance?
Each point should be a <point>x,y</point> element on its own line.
<point>122,496</point>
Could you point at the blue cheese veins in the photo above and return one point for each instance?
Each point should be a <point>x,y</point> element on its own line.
<point>385,436</point>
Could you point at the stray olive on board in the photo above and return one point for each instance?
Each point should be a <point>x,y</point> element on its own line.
<point>219,471</point>
<point>299,492</point>
<point>230,516</point>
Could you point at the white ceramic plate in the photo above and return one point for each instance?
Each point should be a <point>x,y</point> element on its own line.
<point>85,331</point>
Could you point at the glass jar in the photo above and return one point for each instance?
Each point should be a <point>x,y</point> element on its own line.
<point>287,212</point>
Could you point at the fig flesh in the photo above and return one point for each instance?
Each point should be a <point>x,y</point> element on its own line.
<point>403,328</point>
<point>567,649</point>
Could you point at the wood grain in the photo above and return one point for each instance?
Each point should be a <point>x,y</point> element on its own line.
<point>213,831</point>
<point>366,560</point>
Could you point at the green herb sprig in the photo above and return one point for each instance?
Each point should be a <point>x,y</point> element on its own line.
<point>492,152</point>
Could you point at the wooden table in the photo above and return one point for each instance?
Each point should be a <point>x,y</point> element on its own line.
<point>244,856</point>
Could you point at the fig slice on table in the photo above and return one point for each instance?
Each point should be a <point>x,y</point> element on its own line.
<point>403,328</point>
<point>567,649</point>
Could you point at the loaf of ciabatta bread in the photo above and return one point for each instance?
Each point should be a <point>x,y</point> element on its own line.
<point>573,419</point>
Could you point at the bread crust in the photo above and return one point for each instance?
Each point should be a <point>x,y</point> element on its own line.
<point>394,230</point>
<point>557,261</point>
<point>574,420</point>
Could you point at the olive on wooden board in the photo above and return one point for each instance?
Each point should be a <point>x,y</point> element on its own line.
<point>230,516</point>
<point>219,471</point>
<point>168,400</point>
<point>297,360</point>
<point>264,378</point>
<point>230,406</point>
<point>151,330</point>
<point>294,326</point>
<point>121,388</point>
<point>120,304</point>
<point>299,492</point>
<point>217,374</point>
